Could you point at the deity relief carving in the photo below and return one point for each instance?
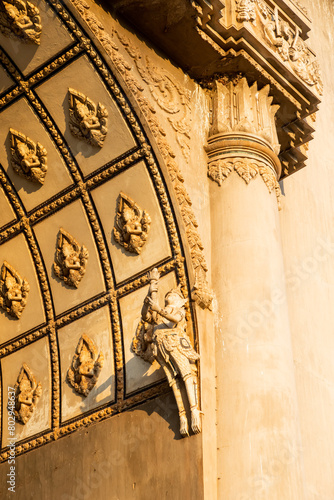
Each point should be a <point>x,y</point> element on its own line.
<point>27,394</point>
<point>71,260</point>
<point>86,366</point>
<point>28,159</point>
<point>132,224</point>
<point>21,19</point>
<point>245,10</point>
<point>13,291</point>
<point>283,37</point>
<point>87,121</point>
<point>161,336</point>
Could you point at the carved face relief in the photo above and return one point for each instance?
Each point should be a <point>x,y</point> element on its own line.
<point>87,121</point>
<point>71,260</point>
<point>27,393</point>
<point>245,10</point>
<point>21,19</point>
<point>13,291</point>
<point>132,224</point>
<point>86,366</point>
<point>28,159</point>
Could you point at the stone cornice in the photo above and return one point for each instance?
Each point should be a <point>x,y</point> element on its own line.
<point>263,39</point>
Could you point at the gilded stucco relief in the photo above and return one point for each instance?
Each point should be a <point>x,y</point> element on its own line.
<point>14,291</point>
<point>88,121</point>
<point>68,213</point>
<point>28,158</point>
<point>21,18</point>
<point>85,367</point>
<point>132,224</point>
<point>27,393</point>
<point>70,259</point>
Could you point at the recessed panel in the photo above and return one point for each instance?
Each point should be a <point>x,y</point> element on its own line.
<point>5,80</point>
<point>6,212</point>
<point>136,184</point>
<point>74,221</point>
<point>82,77</point>
<point>16,253</point>
<point>97,327</point>
<point>54,38</point>
<point>20,117</point>
<point>140,373</point>
<point>36,357</point>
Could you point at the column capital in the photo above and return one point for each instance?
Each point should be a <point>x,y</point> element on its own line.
<point>264,39</point>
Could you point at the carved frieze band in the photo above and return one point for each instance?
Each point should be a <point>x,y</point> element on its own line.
<point>247,169</point>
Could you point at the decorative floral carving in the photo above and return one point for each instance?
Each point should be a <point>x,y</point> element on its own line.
<point>28,159</point>
<point>218,171</point>
<point>162,335</point>
<point>245,10</point>
<point>87,121</point>
<point>71,260</point>
<point>167,93</point>
<point>132,224</point>
<point>13,291</point>
<point>27,393</point>
<point>247,169</point>
<point>86,366</point>
<point>21,19</point>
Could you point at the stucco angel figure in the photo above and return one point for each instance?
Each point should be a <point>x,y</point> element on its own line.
<point>27,393</point>
<point>87,121</point>
<point>21,19</point>
<point>71,260</point>
<point>162,336</point>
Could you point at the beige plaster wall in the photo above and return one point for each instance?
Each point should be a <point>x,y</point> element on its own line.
<point>307,222</point>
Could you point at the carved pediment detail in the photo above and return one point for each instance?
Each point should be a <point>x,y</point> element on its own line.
<point>132,224</point>
<point>27,158</point>
<point>13,291</point>
<point>20,19</point>
<point>27,394</point>
<point>86,366</point>
<point>71,260</point>
<point>88,121</point>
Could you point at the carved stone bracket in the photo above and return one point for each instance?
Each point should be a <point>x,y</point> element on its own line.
<point>20,19</point>
<point>87,121</point>
<point>132,225</point>
<point>27,393</point>
<point>28,159</point>
<point>71,260</point>
<point>86,366</point>
<point>13,291</point>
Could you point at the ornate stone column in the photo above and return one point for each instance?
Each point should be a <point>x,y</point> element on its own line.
<point>257,417</point>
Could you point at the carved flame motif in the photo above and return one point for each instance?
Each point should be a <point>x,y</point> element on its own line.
<point>21,19</point>
<point>132,224</point>
<point>13,291</point>
<point>28,159</point>
<point>86,366</point>
<point>87,121</point>
<point>27,393</point>
<point>71,260</point>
